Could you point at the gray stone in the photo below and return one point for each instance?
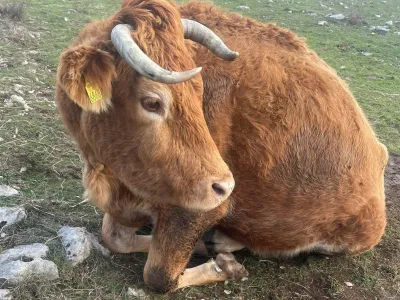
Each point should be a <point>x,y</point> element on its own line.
<point>10,216</point>
<point>322,23</point>
<point>15,272</point>
<point>380,29</point>
<point>137,293</point>
<point>243,7</point>
<point>337,17</point>
<point>24,252</point>
<point>78,243</point>
<point>7,191</point>
<point>5,295</point>
<point>366,53</point>
<point>25,261</point>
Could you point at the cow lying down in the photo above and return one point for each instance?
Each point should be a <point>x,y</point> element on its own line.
<point>268,147</point>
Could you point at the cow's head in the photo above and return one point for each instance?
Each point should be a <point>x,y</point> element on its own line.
<point>145,121</point>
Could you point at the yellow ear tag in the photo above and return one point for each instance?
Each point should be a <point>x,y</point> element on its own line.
<point>93,92</point>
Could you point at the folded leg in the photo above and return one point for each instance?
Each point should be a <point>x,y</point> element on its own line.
<point>174,239</point>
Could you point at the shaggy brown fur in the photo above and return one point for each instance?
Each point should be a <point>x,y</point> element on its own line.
<point>307,165</point>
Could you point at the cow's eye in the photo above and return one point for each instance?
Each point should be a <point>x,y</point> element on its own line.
<point>153,105</point>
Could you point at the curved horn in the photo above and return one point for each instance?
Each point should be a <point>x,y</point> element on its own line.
<point>130,51</point>
<point>201,34</point>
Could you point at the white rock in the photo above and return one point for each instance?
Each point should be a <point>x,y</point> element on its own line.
<point>5,295</point>
<point>365,53</point>
<point>390,23</point>
<point>24,252</point>
<point>6,191</point>
<point>243,7</point>
<point>137,293</point>
<point>20,100</point>
<point>23,169</point>
<point>322,23</point>
<point>228,292</point>
<point>342,67</point>
<point>78,243</point>
<point>15,272</point>
<point>378,16</point>
<point>337,17</point>
<point>380,29</point>
<point>25,261</point>
<point>10,216</point>
<point>349,284</point>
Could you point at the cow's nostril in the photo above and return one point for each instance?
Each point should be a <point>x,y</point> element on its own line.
<point>219,189</point>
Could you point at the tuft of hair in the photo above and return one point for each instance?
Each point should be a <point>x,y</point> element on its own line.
<point>158,31</point>
<point>14,10</point>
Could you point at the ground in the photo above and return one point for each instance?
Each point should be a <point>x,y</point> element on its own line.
<point>38,157</point>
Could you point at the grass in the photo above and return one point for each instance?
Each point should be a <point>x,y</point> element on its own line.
<point>51,188</point>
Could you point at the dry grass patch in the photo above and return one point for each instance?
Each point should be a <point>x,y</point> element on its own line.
<point>14,10</point>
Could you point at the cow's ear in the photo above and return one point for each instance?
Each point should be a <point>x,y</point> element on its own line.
<point>86,74</point>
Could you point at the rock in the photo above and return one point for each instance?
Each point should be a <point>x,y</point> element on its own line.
<point>342,67</point>
<point>337,17</point>
<point>5,295</point>
<point>322,23</point>
<point>243,7</point>
<point>349,284</point>
<point>313,14</point>
<point>380,29</point>
<point>365,53</point>
<point>228,292</point>
<point>15,272</point>
<point>390,23</point>
<point>138,293</point>
<point>78,243</point>
<point>25,261</point>
<point>24,252</point>
<point>20,100</point>
<point>7,191</point>
<point>10,216</point>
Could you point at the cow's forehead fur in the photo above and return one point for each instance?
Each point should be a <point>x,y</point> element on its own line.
<point>159,33</point>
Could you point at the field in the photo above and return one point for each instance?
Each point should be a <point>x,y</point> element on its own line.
<point>38,157</point>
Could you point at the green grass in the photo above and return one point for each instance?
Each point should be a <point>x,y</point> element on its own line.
<point>51,186</point>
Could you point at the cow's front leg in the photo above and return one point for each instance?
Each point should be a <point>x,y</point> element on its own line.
<point>174,239</point>
<point>123,239</point>
<point>223,268</point>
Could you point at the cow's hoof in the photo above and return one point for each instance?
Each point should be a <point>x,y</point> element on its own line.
<point>229,265</point>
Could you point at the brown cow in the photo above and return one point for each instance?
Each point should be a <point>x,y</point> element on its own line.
<point>157,144</point>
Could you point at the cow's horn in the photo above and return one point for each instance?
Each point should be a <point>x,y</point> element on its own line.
<point>130,51</point>
<point>206,37</point>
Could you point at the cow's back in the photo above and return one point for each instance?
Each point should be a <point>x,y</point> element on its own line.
<point>304,157</point>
